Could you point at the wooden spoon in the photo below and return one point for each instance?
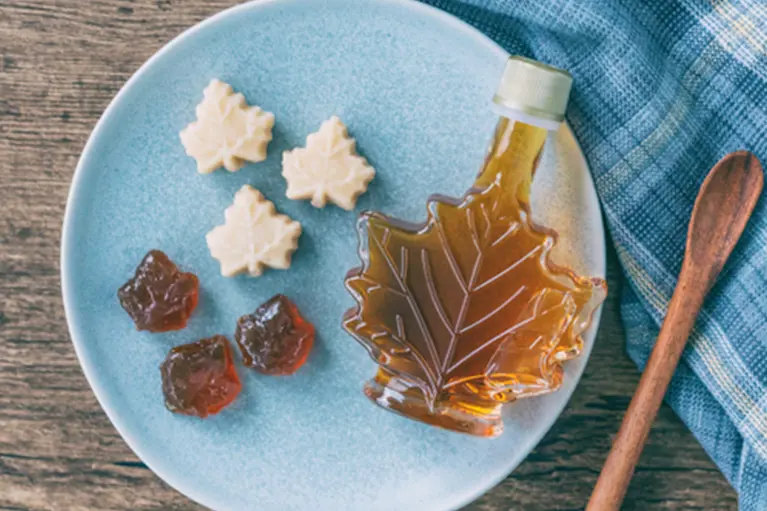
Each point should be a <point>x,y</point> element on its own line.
<point>724,204</point>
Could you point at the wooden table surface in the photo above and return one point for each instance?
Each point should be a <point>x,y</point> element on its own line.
<point>62,61</point>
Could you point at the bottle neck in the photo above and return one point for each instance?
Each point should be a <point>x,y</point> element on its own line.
<point>513,158</point>
<point>518,115</point>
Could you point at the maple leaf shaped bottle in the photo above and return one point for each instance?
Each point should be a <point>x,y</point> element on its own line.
<point>465,312</point>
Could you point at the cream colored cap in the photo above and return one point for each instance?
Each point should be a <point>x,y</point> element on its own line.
<point>534,88</point>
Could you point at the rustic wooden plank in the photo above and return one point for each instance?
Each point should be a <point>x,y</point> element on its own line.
<point>62,61</point>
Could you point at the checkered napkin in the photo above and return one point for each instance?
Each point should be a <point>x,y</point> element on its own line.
<point>662,90</point>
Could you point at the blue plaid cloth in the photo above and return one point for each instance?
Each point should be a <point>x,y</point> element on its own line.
<point>663,90</point>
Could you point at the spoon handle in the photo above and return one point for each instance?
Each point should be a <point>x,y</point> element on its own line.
<point>619,467</point>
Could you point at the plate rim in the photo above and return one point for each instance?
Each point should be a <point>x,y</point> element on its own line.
<point>74,326</point>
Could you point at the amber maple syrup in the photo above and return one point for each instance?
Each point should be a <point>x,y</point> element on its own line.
<point>465,312</point>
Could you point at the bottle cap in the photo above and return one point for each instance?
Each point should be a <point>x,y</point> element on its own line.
<point>534,89</point>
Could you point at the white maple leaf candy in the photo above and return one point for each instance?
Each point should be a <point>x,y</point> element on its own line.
<point>328,168</point>
<point>227,131</point>
<point>253,236</point>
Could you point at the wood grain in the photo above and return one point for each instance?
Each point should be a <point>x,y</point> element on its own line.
<point>62,61</point>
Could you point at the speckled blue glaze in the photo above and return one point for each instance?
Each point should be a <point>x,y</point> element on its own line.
<point>413,85</point>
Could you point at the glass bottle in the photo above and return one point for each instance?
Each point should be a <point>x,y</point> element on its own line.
<point>465,312</point>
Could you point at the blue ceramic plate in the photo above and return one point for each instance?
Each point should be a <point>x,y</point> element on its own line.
<point>413,84</point>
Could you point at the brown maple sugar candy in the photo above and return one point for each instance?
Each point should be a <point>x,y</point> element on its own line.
<point>159,297</point>
<point>465,312</point>
<point>200,378</point>
<point>275,339</point>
